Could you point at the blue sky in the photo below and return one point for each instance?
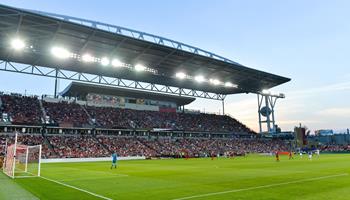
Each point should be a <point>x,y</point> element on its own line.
<point>308,41</point>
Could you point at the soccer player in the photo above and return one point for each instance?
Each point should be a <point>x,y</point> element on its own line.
<point>114,160</point>
<point>187,155</point>
<point>212,155</point>
<point>317,153</point>
<point>310,155</point>
<point>277,156</point>
<point>290,155</point>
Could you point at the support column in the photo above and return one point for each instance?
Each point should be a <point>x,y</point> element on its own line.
<point>259,114</point>
<point>267,109</point>
<point>223,107</point>
<point>56,75</point>
<point>268,121</point>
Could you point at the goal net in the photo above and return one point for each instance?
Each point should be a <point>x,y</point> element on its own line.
<point>22,161</point>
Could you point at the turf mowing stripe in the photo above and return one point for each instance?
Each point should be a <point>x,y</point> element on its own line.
<point>262,186</point>
<point>82,190</point>
<point>9,189</point>
<point>91,179</point>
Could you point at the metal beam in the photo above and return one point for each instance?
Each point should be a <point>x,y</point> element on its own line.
<point>104,80</point>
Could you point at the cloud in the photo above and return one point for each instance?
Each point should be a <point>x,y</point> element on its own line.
<point>341,86</point>
<point>296,122</point>
<point>335,112</point>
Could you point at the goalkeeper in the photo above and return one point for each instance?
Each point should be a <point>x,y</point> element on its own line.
<point>114,160</point>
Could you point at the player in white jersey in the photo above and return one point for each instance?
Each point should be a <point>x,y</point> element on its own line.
<point>310,155</point>
<point>317,152</point>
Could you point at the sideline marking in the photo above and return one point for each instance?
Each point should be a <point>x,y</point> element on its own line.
<point>91,179</point>
<point>262,186</point>
<point>82,190</point>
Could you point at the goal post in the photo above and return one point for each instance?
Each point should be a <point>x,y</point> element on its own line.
<point>22,160</point>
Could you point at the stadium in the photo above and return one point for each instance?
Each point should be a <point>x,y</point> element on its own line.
<point>120,128</point>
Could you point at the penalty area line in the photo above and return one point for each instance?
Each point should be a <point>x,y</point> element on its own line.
<point>262,186</point>
<point>82,190</point>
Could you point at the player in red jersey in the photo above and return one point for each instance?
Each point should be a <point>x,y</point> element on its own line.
<point>277,156</point>
<point>290,155</point>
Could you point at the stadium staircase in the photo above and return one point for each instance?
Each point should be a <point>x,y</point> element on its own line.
<point>91,121</point>
<point>94,123</point>
<point>47,141</point>
<point>42,111</point>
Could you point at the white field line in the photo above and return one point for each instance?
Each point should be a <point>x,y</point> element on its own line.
<point>262,186</point>
<point>24,176</point>
<point>91,179</point>
<point>82,190</point>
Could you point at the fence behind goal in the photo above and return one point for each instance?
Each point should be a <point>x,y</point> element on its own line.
<point>22,161</point>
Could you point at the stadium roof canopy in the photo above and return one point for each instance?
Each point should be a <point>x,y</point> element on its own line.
<point>142,57</point>
<point>82,89</point>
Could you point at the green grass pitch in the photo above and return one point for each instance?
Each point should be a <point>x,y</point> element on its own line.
<point>252,177</point>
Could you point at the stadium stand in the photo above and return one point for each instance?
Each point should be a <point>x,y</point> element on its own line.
<point>66,114</point>
<point>28,139</point>
<point>17,107</point>
<point>335,148</point>
<point>96,144</point>
<point>70,114</point>
<point>84,146</point>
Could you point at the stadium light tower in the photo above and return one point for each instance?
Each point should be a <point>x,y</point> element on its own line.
<point>266,109</point>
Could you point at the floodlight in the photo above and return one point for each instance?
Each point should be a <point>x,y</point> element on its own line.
<point>199,78</point>
<point>180,75</point>
<point>60,52</point>
<point>116,63</point>
<point>215,81</point>
<point>105,61</point>
<point>87,58</point>
<point>17,44</point>
<point>229,84</point>
<point>266,91</point>
<point>140,67</point>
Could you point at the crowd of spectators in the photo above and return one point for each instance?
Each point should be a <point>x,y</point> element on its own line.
<point>126,146</point>
<point>27,139</point>
<point>77,146</point>
<point>21,109</point>
<point>27,111</point>
<point>66,114</point>
<point>84,146</point>
<point>336,148</point>
<point>207,147</point>
<point>127,118</point>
